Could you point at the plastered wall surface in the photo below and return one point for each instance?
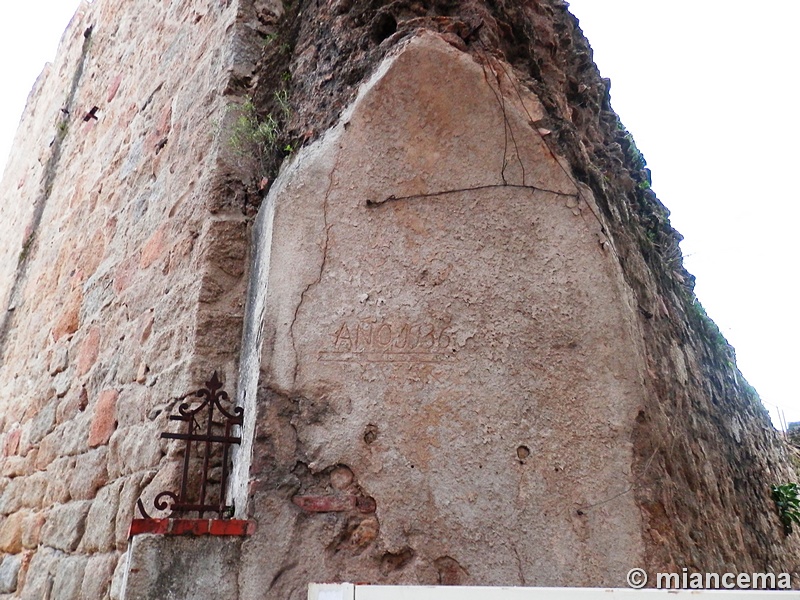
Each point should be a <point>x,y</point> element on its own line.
<point>458,323</point>
<point>446,336</point>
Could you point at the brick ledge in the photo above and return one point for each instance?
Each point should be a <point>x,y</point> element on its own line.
<point>233,527</point>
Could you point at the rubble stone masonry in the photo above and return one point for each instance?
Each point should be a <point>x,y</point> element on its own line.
<point>120,280</point>
<point>437,281</point>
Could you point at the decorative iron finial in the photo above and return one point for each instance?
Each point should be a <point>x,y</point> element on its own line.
<point>210,436</point>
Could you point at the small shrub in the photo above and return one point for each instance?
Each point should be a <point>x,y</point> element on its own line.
<point>787,504</point>
<point>261,143</point>
<point>252,135</point>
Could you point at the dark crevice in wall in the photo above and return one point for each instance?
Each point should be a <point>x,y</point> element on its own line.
<point>48,180</point>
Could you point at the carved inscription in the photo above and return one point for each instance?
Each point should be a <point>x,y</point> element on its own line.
<point>384,341</point>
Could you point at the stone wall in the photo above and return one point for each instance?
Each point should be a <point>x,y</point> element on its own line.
<point>449,346</point>
<point>469,350</point>
<point>342,423</point>
<point>121,279</point>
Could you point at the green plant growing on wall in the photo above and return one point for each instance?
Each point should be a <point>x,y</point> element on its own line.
<point>787,503</point>
<point>282,98</point>
<point>634,154</point>
<point>252,134</point>
<point>260,141</point>
<point>268,39</point>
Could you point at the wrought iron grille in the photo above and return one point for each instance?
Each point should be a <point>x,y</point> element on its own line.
<point>208,437</point>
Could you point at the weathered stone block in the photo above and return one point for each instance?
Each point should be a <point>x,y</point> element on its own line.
<point>65,525</point>
<point>49,449</point>
<point>88,352</point>
<point>97,578</point>
<point>11,441</point>
<point>68,320</point>
<point>24,439</point>
<point>225,246</point>
<point>211,287</point>
<point>183,567</point>
<point>59,360</point>
<point>98,295</point>
<point>11,532</point>
<point>100,534</point>
<point>40,574</point>
<point>74,402</point>
<point>75,434</point>
<point>89,475</point>
<point>11,498</point>
<point>9,572</point>
<point>14,466</point>
<point>124,274</point>
<point>127,511</point>
<point>69,576</point>
<point>43,423</point>
<point>32,530</point>
<point>132,406</point>
<point>116,590</point>
<point>60,471</point>
<point>218,333</point>
<point>104,420</point>
<point>132,449</point>
<point>436,299</point>
<point>34,491</point>
<point>62,383</point>
<point>154,247</point>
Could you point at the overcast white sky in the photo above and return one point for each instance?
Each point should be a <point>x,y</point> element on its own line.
<point>709,90</point>
<point>29,35</point>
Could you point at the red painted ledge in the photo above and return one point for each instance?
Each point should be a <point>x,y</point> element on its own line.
<point>234,527</point>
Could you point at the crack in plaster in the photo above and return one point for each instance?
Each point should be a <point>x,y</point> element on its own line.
<point>519,564</point>
<point>507,129</point>
<point>375,203</point>
<point>578,194</point>
<point>324,261</point>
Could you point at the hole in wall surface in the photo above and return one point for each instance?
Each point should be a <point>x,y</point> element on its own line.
<point>370,434</point>
<point>383,26</point>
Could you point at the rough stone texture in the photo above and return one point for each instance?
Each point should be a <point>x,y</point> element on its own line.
<point>450,292</point>
<point>104,421</point>
<point>65,526</point>
<point>97,578</point>
<point>116,235</point>
<point>471,353</point>
<point>11,532</point>
<point>133,449</point>
<point>9,573</point>
<point>32,530</point>
<point>185,568</point>
<point>100,535</point>
<point>118,578</point>
<point>40,574</point>
<point>683,388</point>
<point>128,496</point>
<point>90,473</point>
<point>69,578</point>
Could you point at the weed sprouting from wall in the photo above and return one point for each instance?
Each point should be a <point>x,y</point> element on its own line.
<point>255,139</point>
<point>252,135</point>
<point>787,504</point>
